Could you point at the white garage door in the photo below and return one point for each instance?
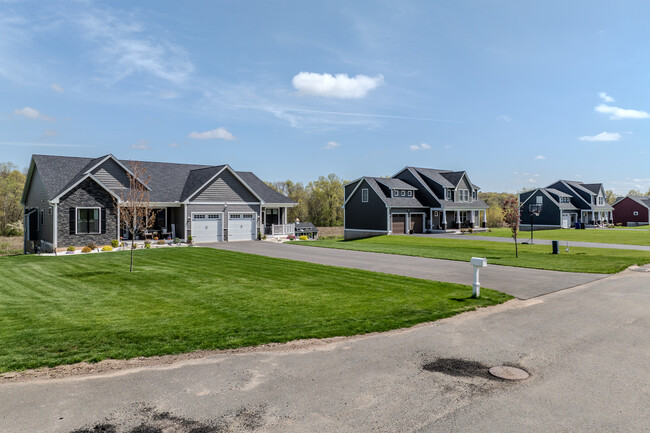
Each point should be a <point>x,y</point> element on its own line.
<point>241,226</point>
<point>206,227</point>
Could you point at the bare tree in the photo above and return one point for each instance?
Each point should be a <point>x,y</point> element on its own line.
<point>136,215</point>
<point>511,218</point>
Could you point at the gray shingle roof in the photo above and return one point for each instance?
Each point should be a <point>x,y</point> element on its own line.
<point>436,176</point>
<point>557,192</point>
<point>394,183</point>
<point>169,182</point>
<point>385,195</point>
<point>643,200</point>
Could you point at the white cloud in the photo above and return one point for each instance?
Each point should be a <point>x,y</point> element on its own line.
<point>603,136</point>
<point>531,180</point>
<point>57,88</point>
<point>335,86</point>
<point>617,113</point>
<point>32,113</point>
<point>141,145</point>
<point>215,133</point>
<point>540,157</point>
<point>504,117</point>
<point>605,97</point>
<point>421,146</point>
<point>50,133</point>
<point>173,144</point>
<point>124,48</point>
<point>331,145</point>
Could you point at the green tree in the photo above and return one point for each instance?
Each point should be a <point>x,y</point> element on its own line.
<point>12,182</point>
<point>296,192</point>
<point>610,197</point>
<point>325,203</point>
<point>634,192</point>
<point>511,218</point>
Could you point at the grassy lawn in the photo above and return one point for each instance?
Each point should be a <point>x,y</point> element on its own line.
<point>606,236</point>
<point>60,310</point>
<point>592,260</point>
<point>11,245</point>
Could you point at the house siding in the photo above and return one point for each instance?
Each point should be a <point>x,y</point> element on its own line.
<point>365,216</point>
<point>37,199</point>
<point>550,215</point>
<point>463,184</point>
<point>112,175</point>
<point>624,212</point>
<point>226,187</point>
<point>87,194</point>
<point>421,194</point>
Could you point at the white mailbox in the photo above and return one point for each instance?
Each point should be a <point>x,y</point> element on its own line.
<point>481,262</point>
<point>478,263</point>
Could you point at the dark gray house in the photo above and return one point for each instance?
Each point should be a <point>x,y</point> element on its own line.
<point>70,201</point>
<point>564,203</point>
<point>415,200</point>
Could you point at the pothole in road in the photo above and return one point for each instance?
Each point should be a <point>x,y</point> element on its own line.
<point>465,368</point>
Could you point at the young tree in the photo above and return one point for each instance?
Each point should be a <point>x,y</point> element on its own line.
<point>326,201</point>
<point>12,182</point>
<point>135,211</point>
<point>511,218</point>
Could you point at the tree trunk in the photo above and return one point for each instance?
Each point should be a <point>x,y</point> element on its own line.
<point>132,245</point>
<point>516,249</point>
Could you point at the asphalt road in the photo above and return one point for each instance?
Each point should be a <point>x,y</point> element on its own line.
<point>587,350</point>
<point>522,239</point>
<point>521,283</point>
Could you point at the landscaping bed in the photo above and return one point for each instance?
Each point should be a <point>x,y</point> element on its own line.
<point>89,307</point>
<point>590,260</point>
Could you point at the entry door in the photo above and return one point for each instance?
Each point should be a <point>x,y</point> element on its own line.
<point>241,227</point>
<point>417,223</point>
<point>206,227</point>
<point>566,219</point>
<point>399,224</point>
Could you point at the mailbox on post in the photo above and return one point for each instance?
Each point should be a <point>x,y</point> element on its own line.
<point>477,262</point>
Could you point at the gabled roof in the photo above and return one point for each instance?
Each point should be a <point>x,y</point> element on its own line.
<point>593,187</point>
<point>642,200</point>
<point>557,192</point>
<point>168,182</point>
<point>385,195</point>
<point>394,183</point>
<point>436,176</point>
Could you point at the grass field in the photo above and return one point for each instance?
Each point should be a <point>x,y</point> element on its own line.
<point>11,245</point>
<point>592,260</point>
<point>60,310</point>
<point>607,236</point>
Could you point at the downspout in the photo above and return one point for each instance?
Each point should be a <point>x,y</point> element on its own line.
<point>55,226</point>
<point>388,227</point>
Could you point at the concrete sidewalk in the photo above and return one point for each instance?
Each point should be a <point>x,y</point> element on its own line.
<point>521,283</point>
<point>536,241</point>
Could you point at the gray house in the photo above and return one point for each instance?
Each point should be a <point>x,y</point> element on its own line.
<point>415,200</point>
<point>565,203</point>
<point>71,201</point>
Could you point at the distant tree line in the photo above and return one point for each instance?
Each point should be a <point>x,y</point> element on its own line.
<point>12,182</point>
<point>319,202</point>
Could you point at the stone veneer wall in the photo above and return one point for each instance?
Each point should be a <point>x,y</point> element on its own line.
<point>87,194</point>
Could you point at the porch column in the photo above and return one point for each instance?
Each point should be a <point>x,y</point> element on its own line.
<point>593,216</point>
<point>471,217</point>
<point>430,219</point>
<point>458,219</point>
<point>484,218</point>
<point>284,215</point>
<point>444,219</point>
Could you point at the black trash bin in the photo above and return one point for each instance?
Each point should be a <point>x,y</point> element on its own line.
<point>582,226</point>
<point>577,225</point>
<point>556,247</point>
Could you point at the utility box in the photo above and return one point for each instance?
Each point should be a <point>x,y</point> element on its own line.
<point>481,262</point>
<point>556,247</point>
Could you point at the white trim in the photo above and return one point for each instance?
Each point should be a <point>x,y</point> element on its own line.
<point>55,224</point>
<point>424,218</point>
<point>249,203</point>
<point>242,213</point>
<point>87,176</point>
<point>117,161</point>
<point>406,220</point>
<point>364,190</point>
<point>187,200</point>
<point>76,213</point>
<point>278,204</point>
<point>361,179</point>
<point>185,222</point>
<point>204,213</point>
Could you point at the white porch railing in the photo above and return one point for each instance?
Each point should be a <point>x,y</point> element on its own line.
<point>283,229</point>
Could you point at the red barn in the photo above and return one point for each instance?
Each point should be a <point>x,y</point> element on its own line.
<point>632,209</point>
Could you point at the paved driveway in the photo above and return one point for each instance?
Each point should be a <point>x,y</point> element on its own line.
<point>586,349</point>
<point>519,282</point>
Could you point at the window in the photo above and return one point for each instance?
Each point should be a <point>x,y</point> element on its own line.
<point>198,217</point>
<point>364,195</point>
<point>403,193</point>
<point>395,193</point>
<point>636,213</point>
<point>41,218</point>
<point>213,216</point>
<point>539,199</point>
<point>474,195</point>
<point>247,216</point>
<point>235,216</point>
<point>88,220</point>
<point>465,195</point>
<point>601,201</point>
<point>449,194</point>
<point>565,199</point>
<point>410,193</point>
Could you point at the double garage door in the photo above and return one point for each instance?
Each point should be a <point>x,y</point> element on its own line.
<point>399,223</point>
<point>208,227</point>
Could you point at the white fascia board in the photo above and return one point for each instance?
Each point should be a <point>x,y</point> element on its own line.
<point>279,204</point>
<point>217,175</point>
<point>529,197</point>
<point>87,176</point>
<point>360,180</point>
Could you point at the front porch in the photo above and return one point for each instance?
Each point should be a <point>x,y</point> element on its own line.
<point>274,221</point>
<point>595,218</point>
<point>452,220</point>
<point>166,224</point>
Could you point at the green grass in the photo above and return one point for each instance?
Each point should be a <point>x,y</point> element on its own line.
<point>606,236</point>
<point>60,310</point>
<point>645,227</point>
<point>591,260</point>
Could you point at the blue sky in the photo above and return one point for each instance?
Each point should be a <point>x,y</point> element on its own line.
<point>519,94</point>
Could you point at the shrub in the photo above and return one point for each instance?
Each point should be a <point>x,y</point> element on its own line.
<point>86,249</point>
<point>71,248</point>
<point>115,243</point>
<point>291,237</point>
<point>155,238</point>
<point>177,241</point>
<point>264,237</point>
<point>107,248</point>
<point>161,242</point>
<point>92,246</point>
<point>303,238</point>
<point>189,239</point>
<point>147,245</point>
